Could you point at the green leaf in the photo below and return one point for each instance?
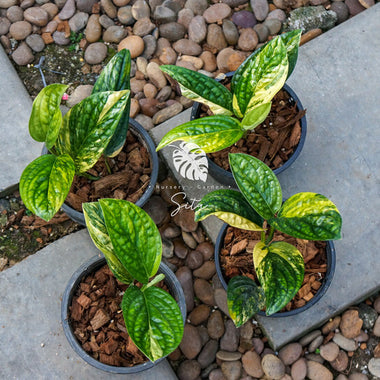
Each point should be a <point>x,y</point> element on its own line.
<point>231,207</point>
<point>244,299</point>
<point>280,270</point>
<point>153,320</point>
<point>115,77</point>
<point>255,116</point>
<point>291,41</point>
<point>134,236</point>
<point>211,133</point>
<point>309,216</point>
<point>258,184</point>
<point>46,118</point>
<point>45,183</point>
<point>89,126</point>
<point>97,229</point>
<point>262,78</point>
<point>201,88</point>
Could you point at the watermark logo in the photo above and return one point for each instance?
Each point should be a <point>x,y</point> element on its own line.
<point>190,161</point>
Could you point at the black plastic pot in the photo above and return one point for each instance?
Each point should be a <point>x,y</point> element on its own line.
<point>89,267</point>
<point>225,177</point>
<point>143,136</point>
<point>330,253</point>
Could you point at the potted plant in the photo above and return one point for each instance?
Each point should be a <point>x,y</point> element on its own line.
<point>259,207</point>
<point>132,248</point>
<point>97,126</point>
<point>238,112</point>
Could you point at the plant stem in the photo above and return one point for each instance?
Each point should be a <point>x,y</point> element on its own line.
<point>89,176</point>
<point>270,236</point>
<point>155,281</point>
<point>107,165</point>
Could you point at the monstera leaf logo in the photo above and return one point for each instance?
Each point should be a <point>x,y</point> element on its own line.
<point>190,161</point>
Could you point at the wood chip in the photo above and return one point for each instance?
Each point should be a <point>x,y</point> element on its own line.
<point>84,301</point>
<point>304,291</point>
<point>239,247</point>
<point>308,296</point>
<point>100,319</point>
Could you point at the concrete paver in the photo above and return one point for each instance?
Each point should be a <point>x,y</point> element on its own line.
<point>337,78</point>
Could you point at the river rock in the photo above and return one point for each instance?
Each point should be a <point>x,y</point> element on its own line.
<point>8,3</point>
<point>341,362</point>
<point>15,13</point>
<point>163,15</point>
<point>185,278</point>
<point>308,18</point>
<point>368,315</point>
<point>208,353</point>
<point>36,16</point>
<point>203,290</point>
<point>244,19</point>
<point>345,343</point>
<point>230,32</point>
<point>230,339</point>
<point>60,38</point>
<point>206,271</point>
<point>197,29</point>
<point>350,324</point>
<point>109,8</point>
<point>273,25</point>
<point>95,53</point>
<point>209,61</point>
<point>316,371</point>
<point>168,56</point>
<point>308,338</point>
<point>252,364</point>
<point>93,29</point>
<point>215,37</point>
<point>374,366</point>
<point>185,220</point>
<point>197,6</point>
<point>172,31</point>
<point>341,10</point>
<point>114,34</point>
<point>194,259</point>
<point>78,21</point>
<point>277,14</point>
<point>167,113</point>
<point>191,343</point>
<point>231,370</point>
<point>189,370</point>
<point>199,315</point>
<point>354,7</point>
<point>145,121</point>
<point>260,9</point>
<point>124,15</point>
<point>143,27</point>
<point>140,9</point>
<point>105,21</point>
<point>134,44</point>
<point>187,47</point>
<point>157,209</point>
<point>23,55</point>
<point>67,11</point>
<point>80,93</point>
<point>4,25</point>
<point>51,9</point>
<point>35,42</point>
<point>150,45</point>
<point>273,367</point>
<point>331,325</point>
<point>20,30</point>
<point>248,39</point>
<point>376,327</point>
<point>262,32</point>
<point>290,353</point>
<point>315,343</point>
<point>228,356</point>
<point>299,369</point>
<point>155,75</point>
<point>85,5</point>
<point>216,12</point>
<point>329,351</point>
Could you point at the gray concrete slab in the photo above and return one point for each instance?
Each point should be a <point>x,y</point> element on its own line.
<point>33,345</point>
<point>337,78</point>
<point>17,147</point>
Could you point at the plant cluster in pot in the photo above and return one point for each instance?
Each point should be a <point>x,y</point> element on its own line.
<point>132,248</point>
<point>237,113</point>
<point>259,206</point>
<point>94,129</point>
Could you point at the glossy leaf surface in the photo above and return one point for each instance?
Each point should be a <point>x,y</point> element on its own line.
<point>211,134</point>
<point>97,229</point>
<point>309,216</point>
<point>134,236</point>
<point>115,77</point>
<point>153,320</point>
<point>291,41</point>
<point>45,183</point>
<point>89,126</point>
<point>280,270</point>
<point>262,78</point>
<point>231,207</point>
<point>46,117</point>
<point>244,299</point>
<point>258,184</point>
<point>201,88</point>
<point>255,116</point>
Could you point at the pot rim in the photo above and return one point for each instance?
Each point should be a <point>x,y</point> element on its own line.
<point>331,262</point>
<point>88,267</point>
<point>218,173</point>
<point>138,130</point>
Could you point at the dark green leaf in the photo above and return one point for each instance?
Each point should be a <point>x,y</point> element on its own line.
<point>258,184</point>
<point>309,216</point>
<point>262,78</point>
<point>134,236</point>
<point>46,118</point>
<point>153,320</point>
<point>231,207</point>
<point>244,299</point>
<point>211,134</point>
<point>88,127</point>
<point>280,270</point>
<point>291,41</point>
<point>45,183</point>
<point>201,88</point>
<point>115,77</point>
<point>98,231</point>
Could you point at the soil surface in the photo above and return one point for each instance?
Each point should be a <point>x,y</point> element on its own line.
<point>236,260</point>
<point>274,141</point>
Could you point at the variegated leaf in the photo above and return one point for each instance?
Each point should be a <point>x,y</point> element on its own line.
<point>153,320</point>
<point>231,207</point>
<point>97,229</point>
<point>134,237</point>
<point>200,88</point>
<point>280,270</point>
<point>89,126</point>
<point>211,134</point>
<point>45,183</point>
<point>309,216</point>
<point>46,117</point>
<point>244,299</point>
<point>258,184</point>
<point>291,41</point>
<point>255,116</point>
<point>262,78</point>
